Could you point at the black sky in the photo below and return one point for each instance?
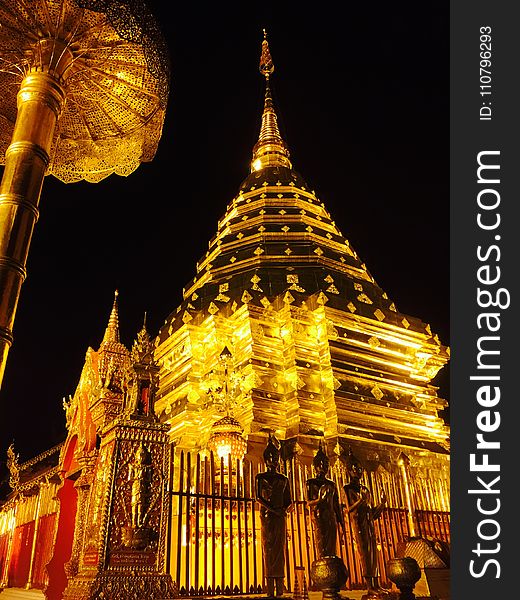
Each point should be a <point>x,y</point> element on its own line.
<point>363,102</point>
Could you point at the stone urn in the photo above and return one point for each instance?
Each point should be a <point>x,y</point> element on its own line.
<point>405,573</point>
<point>330,574</point>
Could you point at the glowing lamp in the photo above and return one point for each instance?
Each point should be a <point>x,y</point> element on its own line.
<point>227,439</point>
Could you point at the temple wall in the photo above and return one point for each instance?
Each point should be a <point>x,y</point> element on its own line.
<point>27,530</point>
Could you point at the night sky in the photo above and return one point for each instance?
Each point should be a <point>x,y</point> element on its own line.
<point>362,98</point>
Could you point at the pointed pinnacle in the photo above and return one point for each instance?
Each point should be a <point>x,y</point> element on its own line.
<point>112,330</point>
<point>270,149</point>
<point>266,62</point>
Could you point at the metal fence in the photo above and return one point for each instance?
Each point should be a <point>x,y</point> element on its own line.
<point>215,526</point>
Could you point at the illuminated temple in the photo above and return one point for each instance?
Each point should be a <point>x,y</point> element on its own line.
<point>282,331</point>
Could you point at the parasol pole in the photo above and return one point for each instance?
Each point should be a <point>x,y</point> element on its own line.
<point>110,60</point>
<point>40,101</point>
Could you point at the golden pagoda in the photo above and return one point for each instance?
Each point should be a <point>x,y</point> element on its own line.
<point>283,331</point>
<point>320,348</point>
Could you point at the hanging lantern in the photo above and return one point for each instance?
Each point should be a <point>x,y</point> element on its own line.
<point>227,439</point>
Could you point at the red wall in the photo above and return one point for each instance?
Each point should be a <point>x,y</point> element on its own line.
<point>4,542</point>
<point>43,551</point>
<point>67,496</point>
<point>20,562</point>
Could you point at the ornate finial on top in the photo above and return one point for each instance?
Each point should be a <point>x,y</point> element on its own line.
<point>266,62</point>
<point>270,150</point>
<point>14,467</point>
<point>68,407</point>
<point>112,330</point>
<point>142,350</point>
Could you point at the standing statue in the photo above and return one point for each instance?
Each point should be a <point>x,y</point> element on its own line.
<point>328,571</point>
<point>139,474</point>
<point>359,506</point>
<point>274,496</point>
<point>323,501</point>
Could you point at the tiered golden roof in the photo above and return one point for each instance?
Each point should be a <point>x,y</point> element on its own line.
<point>321,347</point>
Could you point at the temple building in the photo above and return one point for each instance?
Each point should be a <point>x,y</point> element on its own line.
<point>282,334</point>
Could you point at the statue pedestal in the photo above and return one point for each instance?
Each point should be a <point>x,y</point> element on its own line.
<point>329,574</point>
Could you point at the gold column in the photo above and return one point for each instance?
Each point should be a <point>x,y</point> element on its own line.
<point>4,580</point>
<point>37,510</point>
<point>404,463</point>
<point>83,486</point>
<point>40,101</point>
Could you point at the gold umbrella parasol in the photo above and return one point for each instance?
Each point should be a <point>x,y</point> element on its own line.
<point>83,92</point>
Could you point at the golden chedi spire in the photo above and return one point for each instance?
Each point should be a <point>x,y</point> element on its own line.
<point>112,330</point>
<point>270,150</point>
<point>276,218</point>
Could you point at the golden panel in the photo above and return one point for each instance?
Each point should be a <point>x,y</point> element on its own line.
<point>379,315</point>
<point>364,298</point>
<point>374,342</point>
<point>377,393</point>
